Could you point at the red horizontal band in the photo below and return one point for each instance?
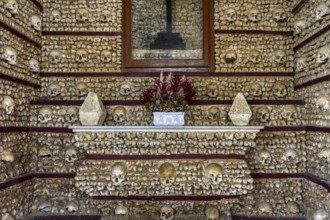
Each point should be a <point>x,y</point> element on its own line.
<point>80,33</point>
<point>284,33</point>
<point>165,157</point>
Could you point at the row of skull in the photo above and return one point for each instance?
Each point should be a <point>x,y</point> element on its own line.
<point>322,57</point>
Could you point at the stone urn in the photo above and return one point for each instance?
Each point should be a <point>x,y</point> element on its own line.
<point>169,118</point>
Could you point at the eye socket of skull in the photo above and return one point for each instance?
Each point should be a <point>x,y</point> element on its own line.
<point>231,56</point>
<point>230,15</point>
<point>55,16</point>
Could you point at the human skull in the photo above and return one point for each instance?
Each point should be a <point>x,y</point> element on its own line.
<point>231,56</point>
<point>167,173</point>
<point>54,90</point>
<point>45,115</point>
<point>213,113</point>
<point>263,156</point>
<point>299,26</point>
<point>72,206</point>
<point>121,210</point>
<point>212,212</point>
<point>166,213</point>
<point>81,56</point>
<point>106,16</point>
<point>320,214</point>
<point>71,115</point>
<point>55,16</point>
<point>8,104</point>
<point>118,173</point>
<point>323,55</point>
<point>36,22</point>
<point>44,206</point>
<point>321,10</point>
<point>290,113</point>
<point>230,15</point>
<point>119,114</point>
<point>290,156</point>
<point>263,113</point>
<point>301,64</point>
<point>11,6</point>
<point>255,89</point>
<point>255,56</point>
<point>265,208</point>
<point>71,155</point>
<point>254,15</point>
<point>324,154</point>
<point>212,90</point>
<point>10,55</point>
<point>82,15</point>
<point>106,56</point>
<point>125,89</point>
<point>323,103</point>
<point>214,172</point>
<point>55,56</point>
<point>292,208</point>
<point>279,57</point>
<point>45,153</point>
<point>280,15</point>
<point>82,89</point>
<point>34,65</point>
<point>7,156</point>
<point>280,90</point>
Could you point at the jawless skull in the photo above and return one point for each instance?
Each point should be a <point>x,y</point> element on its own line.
<point>106,16</point>
<point>212,213</point>
<point>265,208</point>
<point>231,56</point>
<point>301,64</point>
<point>82,89</point>
<point>106,56</point>
<point>121,210</point>
<point>323,103</point>
<point>255,89</point>
<point>36,22</point>
<point>55,56</point>
<point>55,16</point>
<point>263,114</point>
<point>290,113</point>
<point>166,213</point>
<point>10,55</point>
<point>71,155</point>
<point>8,104</point>
<point>255,56</point>
<point>213,172</point>
<point>7,156</point>
<point>280,90</point>
<point>254,15</point>
<point>54,90</point>
<point>81,56</point>
<point>292,208</point>
<point>321,11</point>
<point>279,57</point>
<point>230,15</point>
<point>299,26</point>
<point>290,156</point>
<point>71,114</point>
<point>11,6</point>
<point>324,155</point>
<point>34,65</point>
<point>118,173</point>
<point>263,156</point>
<point>212,90</point>
<point>213,113</point>
<point>167,173</point>
<point>125,90</point>
<point>323,55</point>
<point>45,115</point>
<point>280,15</point>
<point>72,206</point>
<point>119,114</point>
<point>82,15</point>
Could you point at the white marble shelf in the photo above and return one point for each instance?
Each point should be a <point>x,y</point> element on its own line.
<point>166,128</point>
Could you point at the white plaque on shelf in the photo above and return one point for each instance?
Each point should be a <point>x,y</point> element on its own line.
<point>169,118</point>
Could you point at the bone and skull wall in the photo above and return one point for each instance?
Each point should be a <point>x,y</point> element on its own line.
<point>272,152</point>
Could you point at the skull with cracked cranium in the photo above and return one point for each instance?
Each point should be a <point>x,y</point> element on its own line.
<point>8,104</point>
<point>45,115</point>
<point>10,55</point>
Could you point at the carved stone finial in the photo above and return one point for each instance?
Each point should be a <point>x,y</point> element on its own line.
<point>92,112</point>
<point>240,112</point>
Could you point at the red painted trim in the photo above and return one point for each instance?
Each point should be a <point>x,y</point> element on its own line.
<point>13,129</point>
<point>283,128</point>
<point>53,175</point>
<point>15,181</point>
<point>318,129</point>
<point>248,217</point>
<point>299,6</point>
<point>317,180</point>
<point>276,175</point>
<point>38,5</point>
<point>313,82</point>
<point>64,217</point>
<point>284,33</point>
<point>156,74</point>
<point>20,35</point>
<point>19,81</point>
<point>165,157</point>
<point>80,33</point>
<point>311,38</point>
<point>51,130</point>
<point>166,198</point>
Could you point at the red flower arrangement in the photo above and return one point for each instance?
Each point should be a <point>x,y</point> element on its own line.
<point>169,94</point>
